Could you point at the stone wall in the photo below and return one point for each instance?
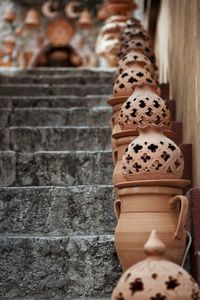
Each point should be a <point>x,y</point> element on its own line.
<point>178,52</point>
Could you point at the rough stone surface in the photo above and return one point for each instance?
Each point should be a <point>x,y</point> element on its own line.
<point>60,79</point>
<point>54,89</point>
<point>7,168</point>
<point>96,116</point>
<point>57,210</point>
<point>56,205</point>
<point>72,265</point>
<point>53,101</point>
<point>28,139</point>
<point>64,168</point>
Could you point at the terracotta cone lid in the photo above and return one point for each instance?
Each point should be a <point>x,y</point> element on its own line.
<point>156,278</point>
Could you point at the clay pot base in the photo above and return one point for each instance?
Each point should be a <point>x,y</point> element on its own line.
<point>181,183</point>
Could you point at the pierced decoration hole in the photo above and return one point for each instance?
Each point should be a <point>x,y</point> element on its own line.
<point>147,49</point>
<point>121,86</point>
<point>134,113</point>
<point>157,165</point>
<point>177,164</point>
<point>142,104</point>
<point>149,112</point>
<point>136,286</point>
<point>172,283</point>
<point>129,158</point>
<point>137,148</point>
<point>149,80</point>
<point>137,167</point>
<point>145,157</point>
<point>127,276</point>
<point>153,148</point>
<point>157,121</point>
<point>120,297</point>
<point>156,104</point>
<point>128,105</point>
<point>140,74</point>
<point>132,80</point>
<point>165,156</point>
<point>171,147</point>
<point>154,276</point>
<point>169,170</point>
<point>161,143</point>
<point>135,57</point>
<point>138,44</point>
<point>159,296</point>
<point>124,75</point>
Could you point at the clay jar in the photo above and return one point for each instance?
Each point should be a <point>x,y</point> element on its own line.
<point>8,45</point>
<point>32,19</point>
<point>9,15</point>
<point>147,205</point>
<point>155,278</point>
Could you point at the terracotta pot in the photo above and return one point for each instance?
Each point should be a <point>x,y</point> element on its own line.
<point>121,144</point>
<point>155,278</point>
<point>146,206</point>
<point>9,15</point>
<point>119,9</point>
<point>32,19</point>
<point>152,156</point>
<point>8,45</point>
<point>85,20</point>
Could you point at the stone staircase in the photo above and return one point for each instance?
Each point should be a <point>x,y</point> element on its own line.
<point>56,199</point>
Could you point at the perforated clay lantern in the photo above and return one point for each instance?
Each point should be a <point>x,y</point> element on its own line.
<point>156,278</point>
<point>152,155</point>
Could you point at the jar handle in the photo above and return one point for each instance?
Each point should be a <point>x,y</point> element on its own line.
<point>115,156</point>
<point>183,214</point>
<point>113,121</point>
<point>117,209</point>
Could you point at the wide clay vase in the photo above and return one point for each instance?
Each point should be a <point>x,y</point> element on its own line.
<point>155,278</point>
<point>122,141</point>
<point>144,206</point>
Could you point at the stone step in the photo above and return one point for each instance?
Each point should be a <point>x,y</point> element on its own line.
<point>69,266</point>
<point>16,71</point>
<point>57,210</point>
<point>58,79</point>
<point>53,101</point>
<point>31,139</point>
<point>10,89</point>
<point>83,116</point>
<point>57,168</point>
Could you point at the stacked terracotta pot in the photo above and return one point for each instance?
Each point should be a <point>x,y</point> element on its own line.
<point>116,13</point>
<point>148,164</point>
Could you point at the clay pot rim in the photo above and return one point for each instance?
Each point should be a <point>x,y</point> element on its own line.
<point>135,132</point>
<point>117,100</point>
<point>181,183</point>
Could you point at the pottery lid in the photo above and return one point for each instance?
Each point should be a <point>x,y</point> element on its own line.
<point>156,278</point>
